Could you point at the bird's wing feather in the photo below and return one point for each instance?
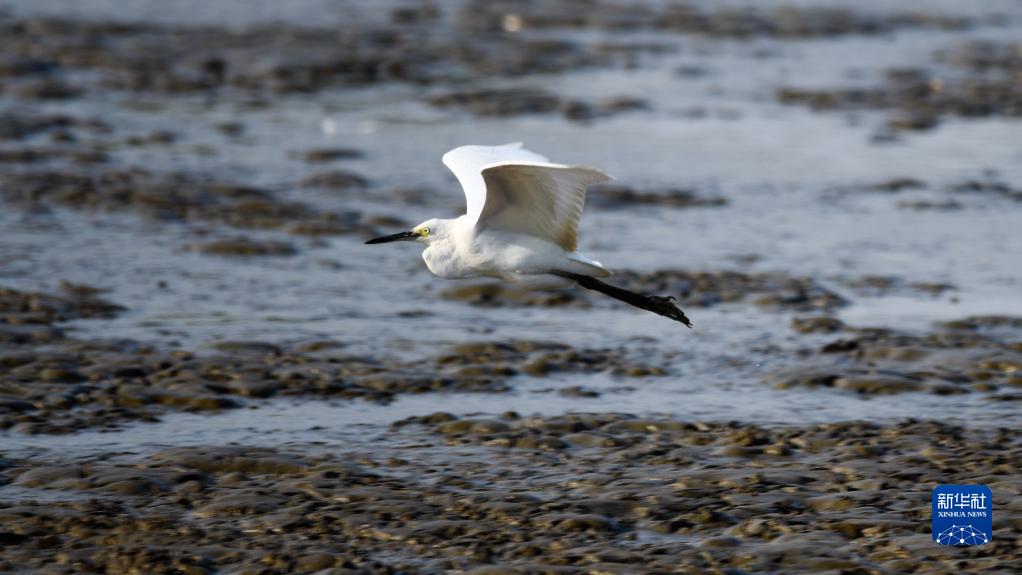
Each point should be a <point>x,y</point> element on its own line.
<point>537,198</point>
<point>467,163</point>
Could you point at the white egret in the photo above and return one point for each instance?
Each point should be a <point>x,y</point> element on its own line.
<point>521,226</point>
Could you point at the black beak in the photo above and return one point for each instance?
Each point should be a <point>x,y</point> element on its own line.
<point>401,237</point>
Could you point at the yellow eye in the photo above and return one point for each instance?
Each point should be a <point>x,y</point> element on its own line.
<point>423,232</point>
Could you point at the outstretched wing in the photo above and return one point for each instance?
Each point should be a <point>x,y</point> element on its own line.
<point>512,189</point>
<point>540,199</point>
<point>467,163</point>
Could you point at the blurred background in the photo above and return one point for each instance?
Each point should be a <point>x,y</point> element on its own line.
<point>214,170</point>
<point>191,327</point>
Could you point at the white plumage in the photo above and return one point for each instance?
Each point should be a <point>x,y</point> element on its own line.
<point>520,225</point>
<point>511,189</point>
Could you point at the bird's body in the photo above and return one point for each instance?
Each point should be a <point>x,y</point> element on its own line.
<point>465,251</point>
<point>521,225</point>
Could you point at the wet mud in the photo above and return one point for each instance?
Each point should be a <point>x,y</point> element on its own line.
<point>976,354</point>
<point>604,493</point>
<point>779,22</point>
<point>186,197</point>
<point>219,180</point>
<point>700,289</point>
<point>982,82</point>
<point>607,196</point>
<point>517,102</point>
<point>53,383</point>
<point>268,59</point>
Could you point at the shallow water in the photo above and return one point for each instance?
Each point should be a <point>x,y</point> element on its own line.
<point>781,168</point>
<point>324,425</point>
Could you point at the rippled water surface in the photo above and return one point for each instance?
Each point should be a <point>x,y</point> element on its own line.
<point>785,171</point>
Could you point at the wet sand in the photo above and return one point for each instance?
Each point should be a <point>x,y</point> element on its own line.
<point>203,370</point>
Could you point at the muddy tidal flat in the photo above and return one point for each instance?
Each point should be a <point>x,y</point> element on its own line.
<point>203,370</point>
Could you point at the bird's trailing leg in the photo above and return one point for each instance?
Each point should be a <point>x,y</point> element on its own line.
<point>657,304</point>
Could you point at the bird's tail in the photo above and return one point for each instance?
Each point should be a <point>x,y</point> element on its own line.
<point>657,304</point>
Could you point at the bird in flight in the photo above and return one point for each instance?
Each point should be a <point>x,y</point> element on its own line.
<point>520,226</point>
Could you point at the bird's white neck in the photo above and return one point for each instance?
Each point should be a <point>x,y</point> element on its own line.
<point>442,256</point>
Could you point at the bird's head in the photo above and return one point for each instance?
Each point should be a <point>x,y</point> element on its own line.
<point>427,232</point>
